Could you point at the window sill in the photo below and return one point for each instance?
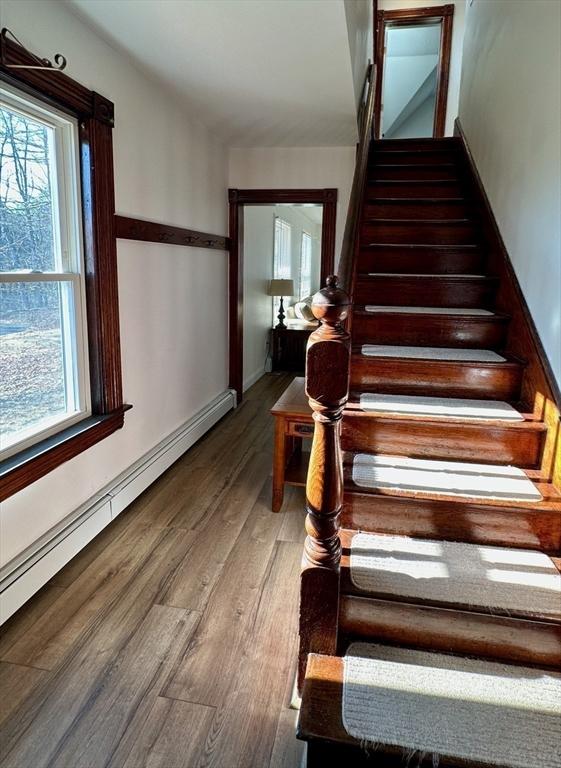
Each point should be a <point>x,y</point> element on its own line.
<point>27,466</point>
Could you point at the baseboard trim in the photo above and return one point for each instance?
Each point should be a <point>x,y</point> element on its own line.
<point>251,380</point>
<point>32,569</point>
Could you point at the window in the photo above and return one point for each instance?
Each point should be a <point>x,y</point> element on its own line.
<point>43,340</point>
<point>282,257</point>
<point>305,265</point>
<point>60,380</point>
<point>281,253</point>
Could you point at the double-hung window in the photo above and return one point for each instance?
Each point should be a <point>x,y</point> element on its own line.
<point>282,252</point>
<point>44,374</point>
<point>60,360</point>
<point>282,257</point>
<point>305,265</point>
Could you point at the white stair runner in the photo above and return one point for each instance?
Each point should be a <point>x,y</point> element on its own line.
<point>450,478</point>
<point>433,353</point>
<point>403,275</point>
<point>444,407</point>
<point>481,711</point>
<point>427,310</point>
<point>497,579</point>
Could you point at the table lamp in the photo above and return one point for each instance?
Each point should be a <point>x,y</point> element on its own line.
<point>281,288</point>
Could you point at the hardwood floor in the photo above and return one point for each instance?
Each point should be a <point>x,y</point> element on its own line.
<point>170,641</point>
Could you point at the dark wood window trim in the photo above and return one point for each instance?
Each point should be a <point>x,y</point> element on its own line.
<point>237,199</point>
<point>444,13</point>
<point>95,115</point>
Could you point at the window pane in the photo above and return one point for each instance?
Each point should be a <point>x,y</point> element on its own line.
<point>36,351</point>
<point>281,265</point>
<point>28,234</point>
<point>306,266</point>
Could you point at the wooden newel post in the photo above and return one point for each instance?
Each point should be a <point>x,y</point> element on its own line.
<point>327,387</point>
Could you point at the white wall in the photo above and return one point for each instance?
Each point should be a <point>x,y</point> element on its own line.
<point>419,122</point>
<point>360,27</point>
<point>258,270</point>
<point>456,54</point>
<point>257,306</point>
<point>173,300</point>
<point>510,111</point>
<point>297,168</point>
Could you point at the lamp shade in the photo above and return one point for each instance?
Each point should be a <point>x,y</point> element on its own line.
<point>281,288</point>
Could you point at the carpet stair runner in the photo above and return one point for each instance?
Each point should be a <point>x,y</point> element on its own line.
<point>449,623</point>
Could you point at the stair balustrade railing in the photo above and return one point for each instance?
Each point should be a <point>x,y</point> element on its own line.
<point>327,387</point>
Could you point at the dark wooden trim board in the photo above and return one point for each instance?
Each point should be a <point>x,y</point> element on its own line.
<point>29,465</point>
<point>95,115</point>
<point>416,15</point>
<point>128,228</point>
<point>237,198</point>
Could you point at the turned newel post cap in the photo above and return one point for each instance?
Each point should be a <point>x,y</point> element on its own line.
<point>331,304</point>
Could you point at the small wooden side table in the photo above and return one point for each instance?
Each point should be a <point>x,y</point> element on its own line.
<point>289,346</point>
<point>293,422</point>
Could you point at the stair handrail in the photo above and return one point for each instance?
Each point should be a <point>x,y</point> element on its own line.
<point>327,386</point>
<point>347,260</point>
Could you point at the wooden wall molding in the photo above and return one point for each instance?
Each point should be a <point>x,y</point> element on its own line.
<point>237,198</point>
<point>128,228</point>
<point>405,16</point>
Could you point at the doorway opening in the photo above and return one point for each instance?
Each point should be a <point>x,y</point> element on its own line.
<point>282,248</point>
<point>413,62</point>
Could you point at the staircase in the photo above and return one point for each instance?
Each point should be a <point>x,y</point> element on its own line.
<point>433,634</point>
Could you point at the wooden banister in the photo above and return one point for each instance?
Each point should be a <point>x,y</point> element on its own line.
<point>347,258</point>
<point>327,387</point>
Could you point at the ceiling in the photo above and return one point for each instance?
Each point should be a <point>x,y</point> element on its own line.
<point>256,72</point>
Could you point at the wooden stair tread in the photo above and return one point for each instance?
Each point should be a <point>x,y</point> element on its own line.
<point>463,312</point>
<point>550,497</point>
<point>523,413</point>
<point>508,359</point>
<point>466,480</point>
<point>411,407</point>
<point>418,221</point>
<point>424,276</point>
<point>456,354</point>
<point>424,246</point>
<point>321,713</point>
<point>498,580</point>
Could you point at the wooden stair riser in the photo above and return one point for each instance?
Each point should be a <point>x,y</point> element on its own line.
<point>413,209</point>
<point>449,630</point>
<point>418,260</point>
<point>419,232</point>
<point>519,444</point>
<point>447,143</point>
<point>439,378</point>
<point>414,157</point>
<point>462,520</point>
<point>478,332</point>
<point>414,172</point>
<point>447,188</point>
<point>415,291</point>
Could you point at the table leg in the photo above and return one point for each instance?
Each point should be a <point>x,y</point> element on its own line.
<point>279,464</point>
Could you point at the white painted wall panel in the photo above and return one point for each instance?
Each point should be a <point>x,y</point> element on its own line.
<point>510,110</point>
